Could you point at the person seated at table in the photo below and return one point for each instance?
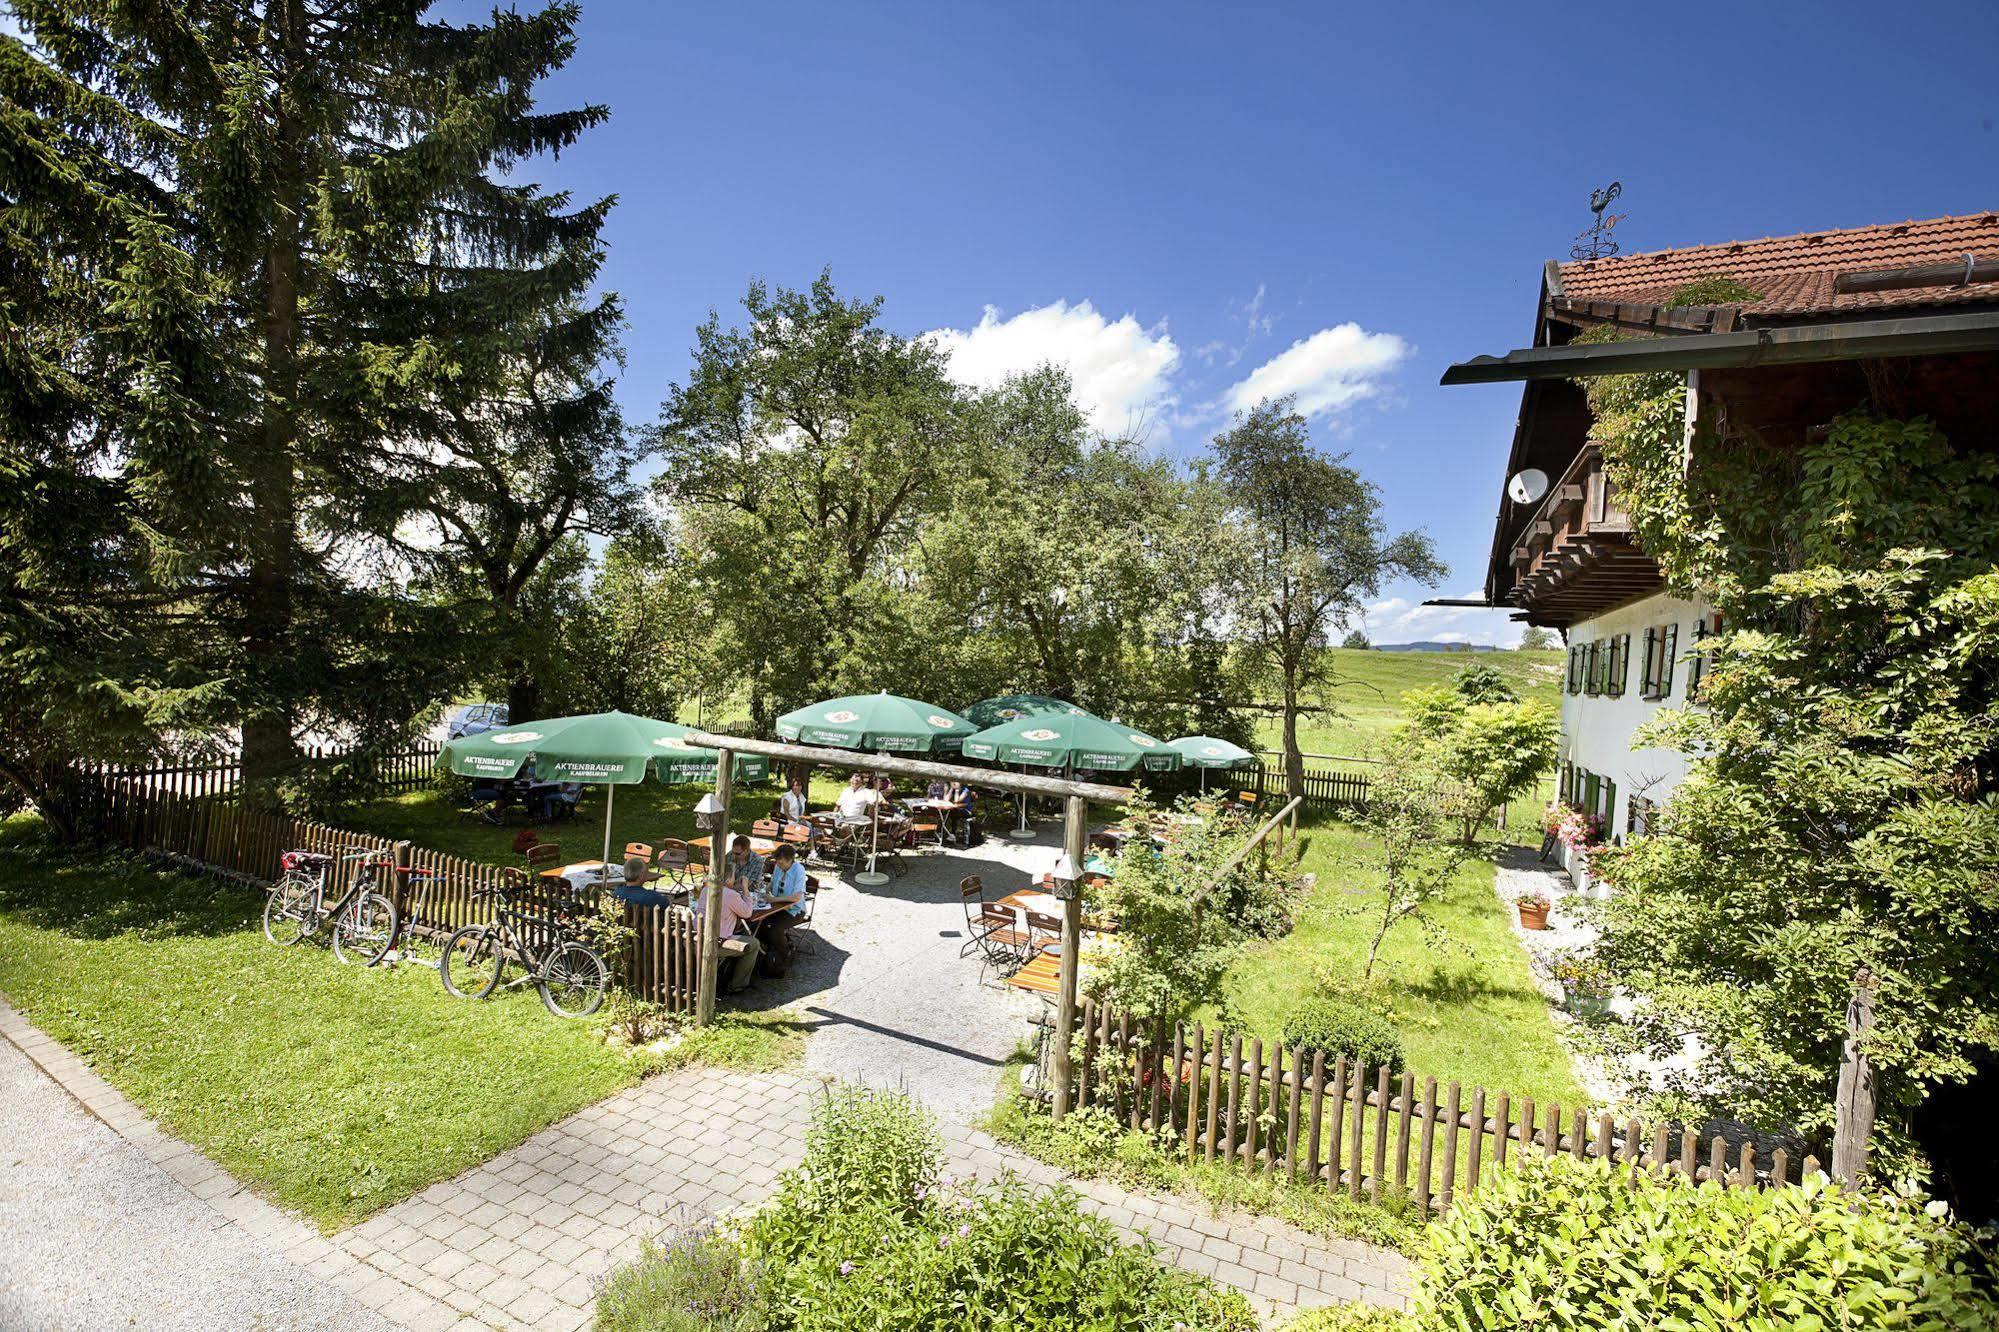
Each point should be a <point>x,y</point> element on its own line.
<point>632,887</point>
<point>856,804</point>
<point>791,807</point>
<point>745,868</point>
<point>734,923</point>
<point>885,789</point>
<point>787,890</point>
<point>935,791</point>
<point>962,799</point>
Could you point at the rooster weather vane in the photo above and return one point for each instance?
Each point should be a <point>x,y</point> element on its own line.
<point>1597,243</point>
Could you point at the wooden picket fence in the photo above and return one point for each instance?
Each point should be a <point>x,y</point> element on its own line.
<point>1366,1132</point>
<point>1325,788</point>
<point>216,834</point>
<point>408,769</point>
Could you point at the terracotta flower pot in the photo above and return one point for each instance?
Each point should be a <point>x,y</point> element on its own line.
<point>1534,915</point>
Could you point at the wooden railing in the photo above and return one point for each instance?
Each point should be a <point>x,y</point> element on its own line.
<point>1367,1132</point>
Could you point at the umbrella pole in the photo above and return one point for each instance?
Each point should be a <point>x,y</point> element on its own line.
<point>872,877</point>
<point>1023,832</point>
<point>610,799</point>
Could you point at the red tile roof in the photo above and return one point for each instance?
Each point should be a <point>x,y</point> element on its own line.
<point>1794,274</point>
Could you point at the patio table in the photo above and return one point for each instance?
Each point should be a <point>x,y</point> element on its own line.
<point>1041,975</point>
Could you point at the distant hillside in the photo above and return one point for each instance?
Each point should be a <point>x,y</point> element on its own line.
<point>1369,685</point>
<point>1459,648</point>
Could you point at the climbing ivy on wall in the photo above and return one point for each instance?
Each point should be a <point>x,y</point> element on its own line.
<point>1840,811</point>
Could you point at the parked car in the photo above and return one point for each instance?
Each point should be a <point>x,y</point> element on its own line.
<point>476,717</point>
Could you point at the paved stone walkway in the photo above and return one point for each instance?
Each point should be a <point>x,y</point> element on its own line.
<point>522,1240</point>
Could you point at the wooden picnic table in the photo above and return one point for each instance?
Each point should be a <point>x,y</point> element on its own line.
<point>1041,975</point>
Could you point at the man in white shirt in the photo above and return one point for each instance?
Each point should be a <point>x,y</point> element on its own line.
<point>856,804</point>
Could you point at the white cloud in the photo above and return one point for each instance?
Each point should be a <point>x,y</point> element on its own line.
<point>1403,620</point>
<point>1122,370</point>
<point>1329,371</point>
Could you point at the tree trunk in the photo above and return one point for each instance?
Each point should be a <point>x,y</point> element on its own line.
<point>523,697</point>
<point>1294,758</point>
<point>1854,1099</point>
<point>268,722</point>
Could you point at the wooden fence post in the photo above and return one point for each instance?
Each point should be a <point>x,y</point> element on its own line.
<point>1854,1107</point>
<point>711,910</point>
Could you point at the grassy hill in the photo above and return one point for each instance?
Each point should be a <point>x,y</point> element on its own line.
<point>1368,689</point>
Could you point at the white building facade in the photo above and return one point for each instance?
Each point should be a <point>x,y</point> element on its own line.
<point>1623,666</point>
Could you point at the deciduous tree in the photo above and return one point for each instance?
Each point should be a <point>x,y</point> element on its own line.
<point>1310,549</point>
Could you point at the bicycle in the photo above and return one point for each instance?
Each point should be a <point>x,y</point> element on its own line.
<point>570,975</point>
<point>364,921</point>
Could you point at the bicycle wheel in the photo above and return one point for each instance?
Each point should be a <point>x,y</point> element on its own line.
<point>573,983</point>
<point>284,909</point>
<point>365,929</point>
<point>471,964</point>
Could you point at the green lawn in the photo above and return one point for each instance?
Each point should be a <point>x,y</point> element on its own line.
<point>329,1089</point>
<point>1468,1012</point>
<point>1369,686</point>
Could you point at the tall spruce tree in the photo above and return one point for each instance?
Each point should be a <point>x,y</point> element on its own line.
<point>250,250</point>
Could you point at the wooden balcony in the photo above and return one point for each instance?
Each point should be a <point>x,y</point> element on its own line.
<point>1577,557</point>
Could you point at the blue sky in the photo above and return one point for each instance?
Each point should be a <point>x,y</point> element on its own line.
<point>1190,204</point>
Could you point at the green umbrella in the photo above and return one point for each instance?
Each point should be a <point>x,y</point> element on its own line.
<point>1012,707</point>
<point>608,749</point>
<point>1072,740</point>
<point>681,760</point>
<point>1205,751</point>
<point>881,722</point>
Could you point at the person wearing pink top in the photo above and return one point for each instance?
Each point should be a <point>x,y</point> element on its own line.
<point>737,908</point>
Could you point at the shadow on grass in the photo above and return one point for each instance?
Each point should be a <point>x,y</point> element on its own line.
<point>1465,983</point>
<point>92,894</point>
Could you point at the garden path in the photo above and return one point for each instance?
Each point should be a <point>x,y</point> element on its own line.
<point>521,1240</point>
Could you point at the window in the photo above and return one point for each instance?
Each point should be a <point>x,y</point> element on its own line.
<point>1661,645</point>
<point>1701,661</point>
<point>1639,816</point>
<point>1618,666</point>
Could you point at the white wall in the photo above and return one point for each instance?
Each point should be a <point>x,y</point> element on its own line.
<point>1597,729</point>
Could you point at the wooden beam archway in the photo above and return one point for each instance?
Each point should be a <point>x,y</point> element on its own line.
<point>1075,796</point>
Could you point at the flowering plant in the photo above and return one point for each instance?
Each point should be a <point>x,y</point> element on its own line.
<point>1572,827</point>
<point>1580,973</point>
<point>1533,901</point>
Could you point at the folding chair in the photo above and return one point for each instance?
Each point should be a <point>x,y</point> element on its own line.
<point>542,855</point>
<point>674,858</point>
<point>1004,941</point>
<point>972,892</point>
<point>767,828</point>
<point>639,849</point>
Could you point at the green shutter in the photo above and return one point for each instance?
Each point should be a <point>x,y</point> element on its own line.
<point>1648,680</point>
<point>1670,638</point>
<point>1609,806</point>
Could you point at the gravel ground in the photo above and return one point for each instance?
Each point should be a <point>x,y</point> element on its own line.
<point>94,1236</point>
<point>889,1000</point>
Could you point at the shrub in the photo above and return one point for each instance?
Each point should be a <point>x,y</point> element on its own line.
<point>696,1282</point>
<point>868,1234</point>
<point>1351,1318</point>
<point>1561,1243</point>
<point>1341,1027</point>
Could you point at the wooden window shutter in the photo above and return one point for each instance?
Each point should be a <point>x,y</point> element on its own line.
<point>1648,679</point>
<point>1575,655</point>
<point>1620,664</point>
<point>1590,783</point>
<point>1670,639</point>
<point>1593,672</point>
<point>1609,805</point>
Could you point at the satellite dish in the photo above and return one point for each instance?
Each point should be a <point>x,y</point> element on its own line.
<point>1527,486</point>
